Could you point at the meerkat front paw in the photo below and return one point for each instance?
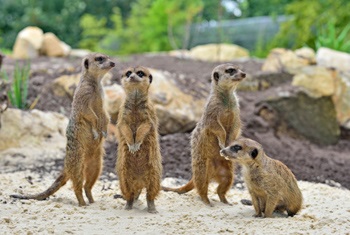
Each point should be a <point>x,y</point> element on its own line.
<point>95,134</point>
<point>133,148</point>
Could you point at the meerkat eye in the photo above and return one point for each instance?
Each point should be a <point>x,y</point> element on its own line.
<point>254,153</point>
<point>231,70</point>
<point>99,59</point>
<point>128,73</point>
<point>235,148</point>
<point>140,74</point>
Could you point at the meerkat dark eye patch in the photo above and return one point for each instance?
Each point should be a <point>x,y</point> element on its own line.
<point>99,59</point>
<point>216,76</point>
<point>231,71</point>
<point>235,148</point>
<point>128,73</point>
<point>86,63</point>
<point>140,74</point>
<point>150,78</point>
<point>254,153</point>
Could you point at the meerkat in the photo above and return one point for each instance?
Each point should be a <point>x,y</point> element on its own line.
<point>139,160</point>
<point>4,103</point>
<point>271,184</point>
<point>219,125</point>
<point>86,131</point>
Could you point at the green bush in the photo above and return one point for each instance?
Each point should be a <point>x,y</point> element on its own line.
<point>307,20</point>
<point>328,37</point>
<point>19,87</point>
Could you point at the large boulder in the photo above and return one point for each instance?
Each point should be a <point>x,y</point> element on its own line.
<point>318,81</point>
<point>333,59</point>
<point>32,134</point>
<point>52,46</point>
<point>32,129</point>
<point>218,52</point>
<point>284,60</point>
<point>313,118</point>
<point>341,99</point>
<point>28,43</point>
<point>65,85</point>
<point>176,111</point>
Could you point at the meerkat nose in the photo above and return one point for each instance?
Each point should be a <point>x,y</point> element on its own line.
<point>243,75</point>
<point>112,64</point>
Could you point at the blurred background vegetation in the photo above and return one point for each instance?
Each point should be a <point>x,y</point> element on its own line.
<point>134,26</point>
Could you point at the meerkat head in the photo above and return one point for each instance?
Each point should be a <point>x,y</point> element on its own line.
<point>4,102</point>
<point>243,150</point>
<point>136,77</point>
<point>227,75</point>
<point>97,64</point>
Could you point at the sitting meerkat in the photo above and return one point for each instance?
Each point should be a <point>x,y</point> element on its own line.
<point>271,184</point>
<point>86,132</point>
<point>139,163</point>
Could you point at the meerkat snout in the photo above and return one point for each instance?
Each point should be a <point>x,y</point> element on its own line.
<point>112,64</point>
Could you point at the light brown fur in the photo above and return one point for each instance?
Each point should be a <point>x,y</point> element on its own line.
<point>271,184</point>
<point>86,131</point>
<point>139,160</point>
<point>219,125</point>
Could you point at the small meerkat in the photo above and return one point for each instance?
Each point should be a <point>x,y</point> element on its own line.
<point>86,131</point>
<point>271,184</point>
<point>219,125</point>
<point>139,163</point>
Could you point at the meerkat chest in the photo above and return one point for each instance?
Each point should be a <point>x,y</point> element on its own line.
<point>227,118</point>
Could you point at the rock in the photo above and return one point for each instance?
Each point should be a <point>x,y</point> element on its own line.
<point>32,128</point>
<point>218,52</point>
<point>176,111</point>
<point>183,54</point>
<point>114,96</point>
<point>333,59</point>
<point>79,53</point>
<point>65,85</point>
<point>313,118</point>
<point>318,81</point>
<point>284,60</point>
<point>263,80</point>
<point>341,99</point>
<point>306,53</point>
<point>53,47</point>
<point>28,42</point>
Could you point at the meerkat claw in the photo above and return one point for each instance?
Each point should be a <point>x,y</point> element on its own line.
<point>133,148</point>
<point>104,134</point>
<point>95,134</point>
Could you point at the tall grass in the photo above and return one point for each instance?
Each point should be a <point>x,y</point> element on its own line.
<point>19,87</point>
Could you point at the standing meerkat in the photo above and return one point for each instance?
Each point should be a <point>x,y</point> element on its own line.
<point>139,161</point>
<point>271,184</point>
<point>86,131</point>
<point>219,125</point>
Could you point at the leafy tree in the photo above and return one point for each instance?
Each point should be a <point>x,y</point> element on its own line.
<point>308,18</point>
<point>93,30</point>
<point>251,8</point>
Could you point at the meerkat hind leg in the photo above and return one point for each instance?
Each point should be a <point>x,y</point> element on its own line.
<point>92,172</point>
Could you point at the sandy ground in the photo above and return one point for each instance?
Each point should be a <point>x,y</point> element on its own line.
<point>326,210</point>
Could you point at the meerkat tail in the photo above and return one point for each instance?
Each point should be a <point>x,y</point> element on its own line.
<point>184,189</point>
<point>59,182</point>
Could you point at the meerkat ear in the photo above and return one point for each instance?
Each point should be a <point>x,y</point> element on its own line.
<point>150,78</point>
<point>216,76</point>
<point>86,63</point>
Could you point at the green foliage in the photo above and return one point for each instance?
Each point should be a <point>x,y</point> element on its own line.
<point>93,30</point>
<point>307,18</point>
<point>251,8</point>
<point>328,37</point>
<point>19,87</point>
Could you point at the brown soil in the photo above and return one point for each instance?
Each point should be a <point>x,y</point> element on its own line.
<point>308,161</point>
